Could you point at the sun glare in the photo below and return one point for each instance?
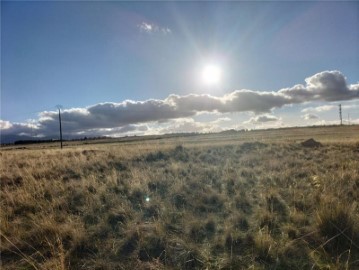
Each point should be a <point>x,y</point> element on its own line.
<point>211,74</point>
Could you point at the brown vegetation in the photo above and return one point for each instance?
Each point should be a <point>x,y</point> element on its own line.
<point>180,205</point>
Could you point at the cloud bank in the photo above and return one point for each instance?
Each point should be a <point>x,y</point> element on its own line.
<point>115,118</point>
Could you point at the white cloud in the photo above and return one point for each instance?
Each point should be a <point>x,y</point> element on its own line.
<point>149,28</point>
<point>146,27</point>
<point>183,125</point>
<point>323,108</point>
<point>354,87</point>
<point>354,121</point>
<point>166,30</point>
<point>326,122</point>
<point>348,107</point>
<point>5,125</point>
<point>323,86</point>
<point>310,116</point>
<point>115,132</point>
<point>262,119</point>
<point>18,128</point>
<point>126,116</point>
<point>221,120</point>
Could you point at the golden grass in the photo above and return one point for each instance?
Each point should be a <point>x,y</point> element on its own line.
<point>214,201</point>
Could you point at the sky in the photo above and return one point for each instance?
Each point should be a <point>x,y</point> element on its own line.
<point>134,68</point>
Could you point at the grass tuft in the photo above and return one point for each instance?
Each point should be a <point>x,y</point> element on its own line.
<point>336,222</point>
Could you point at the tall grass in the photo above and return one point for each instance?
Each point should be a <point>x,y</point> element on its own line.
<point>181,206</point>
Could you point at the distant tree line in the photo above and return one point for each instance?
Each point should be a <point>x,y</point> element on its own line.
<point>18,142</point>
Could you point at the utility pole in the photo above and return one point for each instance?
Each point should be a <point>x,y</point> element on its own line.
<point>60,126</point>
<point>340,114</point>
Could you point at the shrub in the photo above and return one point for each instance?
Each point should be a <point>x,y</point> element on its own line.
<point>180,154</point>
<point>197,232</point>
<point>336,223</point>
<point>128,246</point>
<point>234,244</point>
<point>242,203</point>
<point>152,157</point>
<point>275,204</point>
<point>152,247</point>
<point>263,246</point>
<point>179,200</point>
<point>241,223</point>
<point>115,220</point>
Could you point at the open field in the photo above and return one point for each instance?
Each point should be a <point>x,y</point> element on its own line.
<point>240,200</point>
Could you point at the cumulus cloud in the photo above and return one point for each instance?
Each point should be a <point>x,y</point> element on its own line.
<point>131,116</point>
<point>4,125</point>
<point>253,101</point>
<point>153,28</point>
<point>323,86</point>
<point>310,116</point>
<point>262,119</point>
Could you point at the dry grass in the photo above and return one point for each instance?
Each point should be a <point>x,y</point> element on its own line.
<point>182,204</point>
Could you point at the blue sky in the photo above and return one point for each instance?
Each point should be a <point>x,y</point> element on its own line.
<point>87,55</point>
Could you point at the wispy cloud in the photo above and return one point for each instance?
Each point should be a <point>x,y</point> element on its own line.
<point>149,28</point>
<point>146,27</point>
<point>116,118</point>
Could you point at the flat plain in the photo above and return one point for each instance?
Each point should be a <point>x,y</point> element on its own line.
<point>232,200</point>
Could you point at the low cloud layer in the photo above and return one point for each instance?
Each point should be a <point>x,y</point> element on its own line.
<point>116,118</point>
<point>323,108</point>
<point>326,108</point>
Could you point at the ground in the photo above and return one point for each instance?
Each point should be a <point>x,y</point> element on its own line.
<point>236,200</point>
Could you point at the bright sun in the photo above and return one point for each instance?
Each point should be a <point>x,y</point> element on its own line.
<point>211,74</point>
